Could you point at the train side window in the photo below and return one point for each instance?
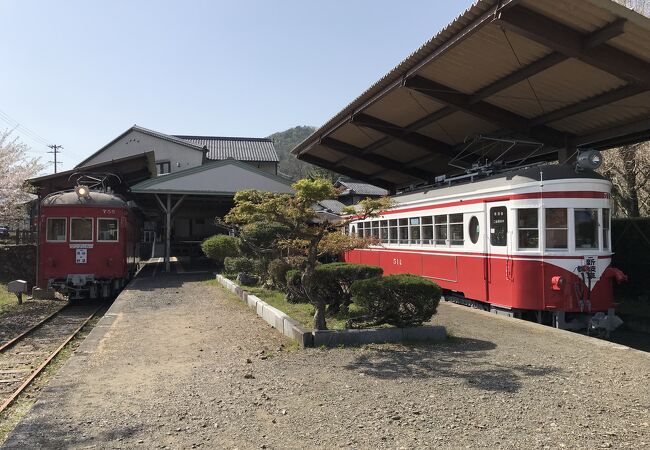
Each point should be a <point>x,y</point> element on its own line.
<point>606,229</point>
<point>375,229</point>
<point>81,229</point>
<point>440,229</point>
<point>498,226</point>
<point>474,229</point>
<point>586,228</point>
<point>107,230</point>
<point>528,228</point>
<point>383,231</point>
<point>360,229</point>
<point>403,231</point>
<point>353,231</point>
<point>456,231</point>
<point>415,230</point>
<point>56,229</point>
<point>556,228</point>
<point>427,230</point>
<point>392,231</point>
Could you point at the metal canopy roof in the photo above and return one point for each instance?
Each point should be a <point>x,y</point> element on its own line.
<point>550,74</point>
<point>130,170</point>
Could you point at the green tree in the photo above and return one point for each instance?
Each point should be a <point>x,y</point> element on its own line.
<point>306,228</point>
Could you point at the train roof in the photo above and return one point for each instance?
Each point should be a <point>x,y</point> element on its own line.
<point>94,199</point>
<point>504,179</point>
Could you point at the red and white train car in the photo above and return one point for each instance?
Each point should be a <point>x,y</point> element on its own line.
<point>88,243</point>
<point>532,243</point>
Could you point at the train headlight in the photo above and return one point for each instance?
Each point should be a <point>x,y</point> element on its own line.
<point>557,283</point>
<point>590,159</point>
<point>82,191</point>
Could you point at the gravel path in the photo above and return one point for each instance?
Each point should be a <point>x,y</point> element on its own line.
<point>186,365</point>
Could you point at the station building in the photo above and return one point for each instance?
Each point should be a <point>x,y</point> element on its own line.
<point>180,183</point>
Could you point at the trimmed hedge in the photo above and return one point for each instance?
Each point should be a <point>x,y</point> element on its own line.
<point>400,300</point>
<point>239,264</point>
<point>277,271</point>
<point>219,247</point>
<point>334,281</point>
<point>295,292</point>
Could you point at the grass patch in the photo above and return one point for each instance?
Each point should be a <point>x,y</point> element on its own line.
<point>7,299</point>
<point>302,312</point>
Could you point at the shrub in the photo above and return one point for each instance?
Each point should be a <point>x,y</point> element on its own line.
<point>334,281</point>
<point>295,291</point>
<point>219,247</point>
<point>277,271</point>
<point>262,237</point>
<point>399,300</point>
<point>239,264</point>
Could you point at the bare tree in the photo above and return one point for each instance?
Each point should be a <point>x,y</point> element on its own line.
<point>628,168</point>
<point>16,166</point>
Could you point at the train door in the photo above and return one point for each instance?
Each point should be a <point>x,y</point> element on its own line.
<point>499,264</point>
<point>473,268</point>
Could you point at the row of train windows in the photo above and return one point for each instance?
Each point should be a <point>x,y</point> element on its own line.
<point>81,229</point>
<point>448,229</point>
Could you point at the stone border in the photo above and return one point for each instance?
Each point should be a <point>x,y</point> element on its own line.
<point>332,338</point>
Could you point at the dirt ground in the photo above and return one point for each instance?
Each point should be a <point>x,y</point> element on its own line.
<point>180,364</point>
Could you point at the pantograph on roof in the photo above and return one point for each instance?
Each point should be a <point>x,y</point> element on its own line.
<point>511,81</point>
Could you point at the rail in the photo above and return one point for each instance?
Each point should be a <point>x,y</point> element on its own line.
<point>27,381</point>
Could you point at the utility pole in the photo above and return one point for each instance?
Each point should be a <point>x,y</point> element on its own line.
<point>55,149</point>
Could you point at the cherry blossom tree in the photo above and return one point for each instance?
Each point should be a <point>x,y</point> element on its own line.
<point>16,166</point>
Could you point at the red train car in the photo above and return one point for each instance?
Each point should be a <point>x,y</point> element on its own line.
<point>532,243</point>
<point>88,243</point>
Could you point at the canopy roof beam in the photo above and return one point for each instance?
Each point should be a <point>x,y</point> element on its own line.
<point>345,170</point>
<point>382,161</point>
<point>484,110</point>
<point>402,134</point>
<point>589,49</point>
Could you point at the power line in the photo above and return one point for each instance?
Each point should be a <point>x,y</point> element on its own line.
<point>55,150</point>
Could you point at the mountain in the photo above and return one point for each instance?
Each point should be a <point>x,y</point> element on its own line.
<point>284,142</point>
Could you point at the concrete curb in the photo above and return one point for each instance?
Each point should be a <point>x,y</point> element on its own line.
<point>332,338</point>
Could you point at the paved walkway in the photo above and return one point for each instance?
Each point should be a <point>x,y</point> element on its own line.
<point>177,363</point>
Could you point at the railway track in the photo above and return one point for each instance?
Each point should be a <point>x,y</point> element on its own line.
<point>24,357</point>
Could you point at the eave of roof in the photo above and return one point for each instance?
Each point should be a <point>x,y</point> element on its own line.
<point>149,186</point>
<point>146,131</point>
<point>599,101</point>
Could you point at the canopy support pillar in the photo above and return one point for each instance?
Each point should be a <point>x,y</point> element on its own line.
<point>168,210</point>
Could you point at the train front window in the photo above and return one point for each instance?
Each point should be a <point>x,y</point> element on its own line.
<point>556,228</point>
<point>107,230</point>
<point>586,232</point>
<point>527,223</point>
<point>606,229</point>
<point>55,230</point>
<point>81,229</point>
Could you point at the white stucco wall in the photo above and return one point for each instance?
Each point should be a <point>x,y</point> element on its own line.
<point>135,142</point>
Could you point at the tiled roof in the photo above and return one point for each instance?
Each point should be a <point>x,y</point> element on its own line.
<point>361,188</point>
<point>242,149</point>
<point>333,206</point>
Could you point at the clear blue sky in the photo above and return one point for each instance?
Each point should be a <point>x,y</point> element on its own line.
<point>78,73</point>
